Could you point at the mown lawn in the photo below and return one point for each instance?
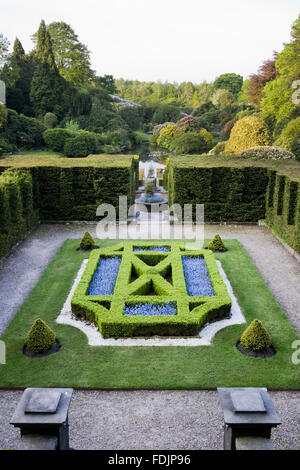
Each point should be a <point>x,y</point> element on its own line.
<point>81,366</point>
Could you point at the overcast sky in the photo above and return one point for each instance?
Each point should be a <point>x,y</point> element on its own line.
<point>167,40</point>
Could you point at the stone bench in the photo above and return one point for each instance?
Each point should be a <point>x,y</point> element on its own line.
<point>253,443</point>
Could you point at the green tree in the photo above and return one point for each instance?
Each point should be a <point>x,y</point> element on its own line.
<point>288,134</point>
<point>202,94</point>
<point>223,98</point>
<point>132,115</point>
<point>166,112</point>
<point>17,75</point>
<point>186,92</point>
<point>3,116</point>
<point>47,86</point>
<point>4,45</point>
<point>229,81</point>
<point>72,58</point>
<point>277,105</point>
<point>243,97</point>
<point>288,63</point>
<point>107,82</point>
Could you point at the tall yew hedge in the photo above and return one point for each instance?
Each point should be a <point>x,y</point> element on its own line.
<point>238,194</point>
<point>59,193</point>
<point>283,208</point>
<point>229,194</point>
<point>17,214</point>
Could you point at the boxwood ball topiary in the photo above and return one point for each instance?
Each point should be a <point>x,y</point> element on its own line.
<point>256,337</point>
<point>40,337</point>
<point>216,244</point>
<point>87,242</point>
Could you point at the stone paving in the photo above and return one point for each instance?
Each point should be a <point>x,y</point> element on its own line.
<point>157,420</point>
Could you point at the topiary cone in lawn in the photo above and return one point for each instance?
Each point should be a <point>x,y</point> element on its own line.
<point>87,242</point>
<point>256,337</point>
<point>216,244</point>
<point>40,337</point>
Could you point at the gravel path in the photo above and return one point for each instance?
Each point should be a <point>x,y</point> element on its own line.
<point>155,420</point>
<point>279,269</point>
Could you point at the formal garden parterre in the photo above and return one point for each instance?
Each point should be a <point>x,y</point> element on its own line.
<point>79,365</point>
<point>184,286</point>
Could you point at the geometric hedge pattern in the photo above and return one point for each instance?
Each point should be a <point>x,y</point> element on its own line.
<point>150,277</point>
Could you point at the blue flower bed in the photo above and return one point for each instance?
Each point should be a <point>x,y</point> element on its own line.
<point>141,309</point>
<point>196,276</point>
<point>153,198</point>
<point>151,248</point>
<point>104,278</point>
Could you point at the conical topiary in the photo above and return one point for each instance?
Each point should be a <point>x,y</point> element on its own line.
<point>40,337</point>
<point>87,241</point>
<point>256,337</point>
<point>216,244</point>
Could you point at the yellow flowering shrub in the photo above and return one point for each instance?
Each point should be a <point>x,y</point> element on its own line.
<point>251,131</point>
<point>165,136</point>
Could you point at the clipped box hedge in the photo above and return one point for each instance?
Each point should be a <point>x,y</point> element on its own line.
<point>75,193</point>
<point>17,212</point>
<point>152,271</point>
<point>66,189</point>
<point>235,190</point>
<point>283,207</point>
<point>233,194</point>
<point>72,189</point>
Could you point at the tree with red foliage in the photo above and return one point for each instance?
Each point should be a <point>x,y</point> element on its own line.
<point>266,73</point>
<point>227,129</point>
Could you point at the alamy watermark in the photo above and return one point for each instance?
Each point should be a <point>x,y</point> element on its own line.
<point>2,352</point>
<point>156,221</point>
<point>2,92</point>
<point>296,94</point>
<point>296,354</point>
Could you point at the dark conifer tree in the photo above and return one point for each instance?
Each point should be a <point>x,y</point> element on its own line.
<point>47,86</point>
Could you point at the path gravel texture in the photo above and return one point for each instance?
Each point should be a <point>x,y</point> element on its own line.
<point>154,420</point>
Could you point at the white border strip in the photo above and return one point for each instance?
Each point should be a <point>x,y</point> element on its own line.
<point>204,337</point>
